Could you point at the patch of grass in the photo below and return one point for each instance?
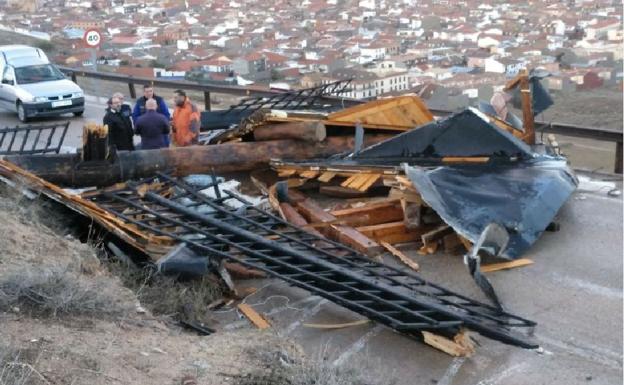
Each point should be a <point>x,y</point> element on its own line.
<point>281,369</point>
<point>13,369</point>
<point>53,291</point>
<point>313,373</point>
<point>165,295</point>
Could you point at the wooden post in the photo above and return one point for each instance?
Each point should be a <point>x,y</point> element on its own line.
<point>94,142</point>
<point>132,90</point>
<point>73,77</point>
<point>618,158</point>
<point>207,105</point>
<point>527,108</point>
<point>522,81</point>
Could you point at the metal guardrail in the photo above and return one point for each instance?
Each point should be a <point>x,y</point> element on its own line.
<point>602,134</point>
<point>132,81</point>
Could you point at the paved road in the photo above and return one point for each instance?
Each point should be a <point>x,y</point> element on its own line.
<point>573,291</point>
<point>94,111</point>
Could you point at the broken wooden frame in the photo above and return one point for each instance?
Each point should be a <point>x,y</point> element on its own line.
<point>262,241</point>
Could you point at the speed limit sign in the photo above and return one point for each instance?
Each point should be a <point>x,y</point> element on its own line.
<point>92,38</point>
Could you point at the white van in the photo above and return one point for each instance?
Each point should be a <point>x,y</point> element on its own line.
<point>31,86</point>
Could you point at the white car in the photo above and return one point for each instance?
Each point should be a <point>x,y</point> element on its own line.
<point>33,87</point>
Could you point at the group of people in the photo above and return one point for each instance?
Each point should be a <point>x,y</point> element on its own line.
<point>150,119</point>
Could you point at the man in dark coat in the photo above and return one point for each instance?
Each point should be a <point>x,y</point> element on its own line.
<point>126,109</point>
<point>119,127</point>
<point>152,127</point>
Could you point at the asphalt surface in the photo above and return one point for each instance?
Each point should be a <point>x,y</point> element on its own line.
<point>573,291</point>
<point>94,112</point>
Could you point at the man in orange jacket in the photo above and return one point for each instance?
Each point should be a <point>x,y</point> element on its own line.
<point>185,121</point>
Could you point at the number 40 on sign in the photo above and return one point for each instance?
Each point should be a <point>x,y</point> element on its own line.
<point>92,38</point>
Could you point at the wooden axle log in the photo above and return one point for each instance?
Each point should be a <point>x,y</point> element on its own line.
<point>313,131</point>
<point>70,170</point>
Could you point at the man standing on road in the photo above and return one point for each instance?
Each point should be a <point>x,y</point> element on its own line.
<point>119,127</point>
<point>152,127</point>
<point>185,123</point>
<point>126,109</point>
<point>139,107</point>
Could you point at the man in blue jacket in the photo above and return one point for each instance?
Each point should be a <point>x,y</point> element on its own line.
<point>152,127</point>
<point>139,107</point>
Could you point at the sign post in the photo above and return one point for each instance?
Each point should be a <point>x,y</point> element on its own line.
<point>93,39</point>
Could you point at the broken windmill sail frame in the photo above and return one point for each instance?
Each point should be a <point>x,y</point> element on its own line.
<point>167,207</point>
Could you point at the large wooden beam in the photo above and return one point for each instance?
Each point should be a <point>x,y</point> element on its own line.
<point>313,131</point>
<point>527,108</point>
<point>69,170</point>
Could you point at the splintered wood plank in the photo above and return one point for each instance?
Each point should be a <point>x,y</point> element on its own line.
<point>361,181</point>
<point>309,174</point>
<point>242,272</point>
<point>371,214</point>
<point>427,249</point>
<point>254,316</point>
<point>354,180</point>
<point>465,159</point>
<point>402,257</point>
<point>436,234</point>
<point>393,232</point>
<point>326,176</point>
<point>404,181</point>
<point>263,179</point>
<point>360,242</point>
<point>285,173</point>
<point>291,215</point>
<point>349,180</point>
<point>370,206</point>
<point>460,346</point>
<point>407,195</point>
<point>369,182</point>
<point>312,212</point>
<point>506,265</point>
